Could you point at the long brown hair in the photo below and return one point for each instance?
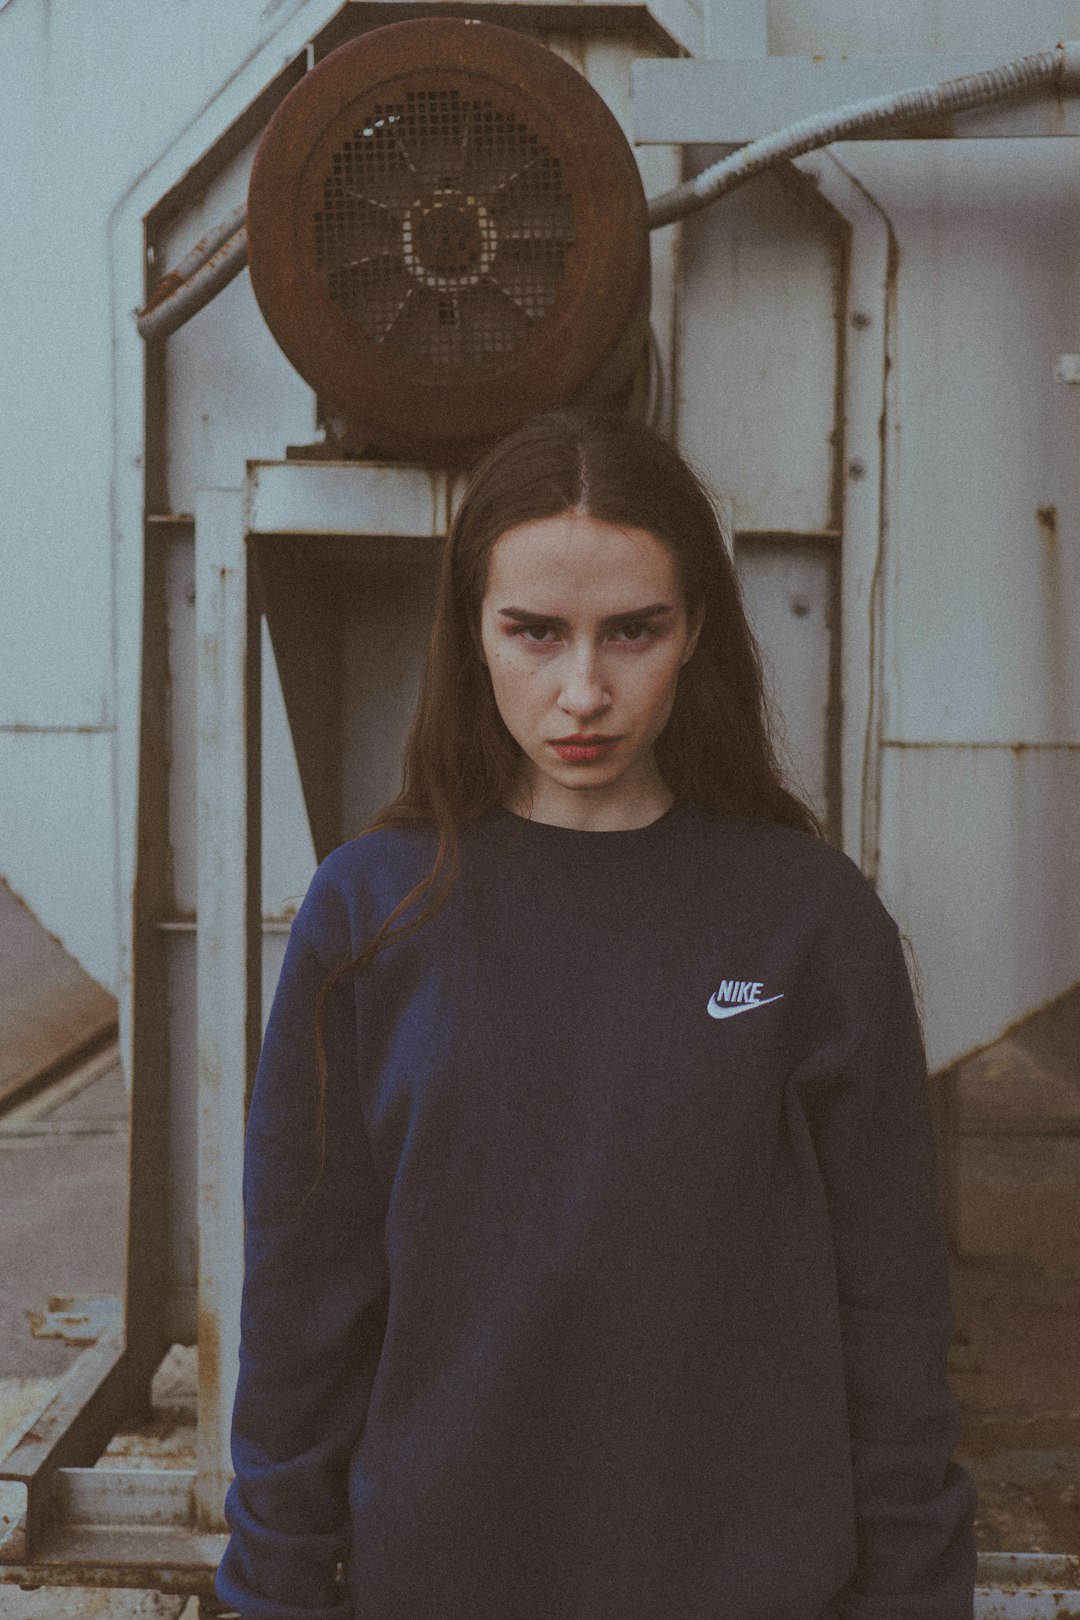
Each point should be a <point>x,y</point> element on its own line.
<point>716,751</point>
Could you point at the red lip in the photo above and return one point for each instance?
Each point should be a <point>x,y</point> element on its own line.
<point>583,749</point>
<point>585,737</point>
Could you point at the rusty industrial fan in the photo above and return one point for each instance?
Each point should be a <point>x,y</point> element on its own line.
<point>447,232</point>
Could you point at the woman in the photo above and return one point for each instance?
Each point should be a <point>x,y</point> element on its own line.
<point>595,1269</point>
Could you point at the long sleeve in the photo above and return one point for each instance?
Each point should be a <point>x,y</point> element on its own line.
<point>313,1310</point>
<point>914,1505</point>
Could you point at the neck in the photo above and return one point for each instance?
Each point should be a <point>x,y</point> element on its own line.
<point>618,808</point>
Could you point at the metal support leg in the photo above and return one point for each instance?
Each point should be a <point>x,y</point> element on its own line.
<point>229,955</point>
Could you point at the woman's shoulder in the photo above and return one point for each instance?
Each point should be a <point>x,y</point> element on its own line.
<point>787,868</point>
<point>359,883</point>
<point>774,847</point>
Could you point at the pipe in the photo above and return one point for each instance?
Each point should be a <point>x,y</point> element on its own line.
<point>198,278</point>
<point>1060,67</point>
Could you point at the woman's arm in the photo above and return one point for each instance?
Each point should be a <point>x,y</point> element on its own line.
<point>313,1310</point>
<point>914,1506</point>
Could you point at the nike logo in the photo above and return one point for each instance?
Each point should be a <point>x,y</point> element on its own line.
<point>738,996</point>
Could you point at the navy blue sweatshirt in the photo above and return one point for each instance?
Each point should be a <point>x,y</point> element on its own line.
<point>622,1291</point>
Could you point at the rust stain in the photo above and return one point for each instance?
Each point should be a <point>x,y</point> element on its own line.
<point>934,127</point>
<point>209,1350</point>
<point>165,288</point>
<point>193,1580</point>
<point>1048,524</point>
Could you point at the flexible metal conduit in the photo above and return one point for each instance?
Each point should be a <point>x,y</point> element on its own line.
<point>199,276</point>
<point>1059,68</point>
<point>222,254</point>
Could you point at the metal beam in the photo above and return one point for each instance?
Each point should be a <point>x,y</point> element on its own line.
<point>351,498</point>
<point>732,102</point>
<point>72,1429</point>
<point>229,949</point>
<point>124,1496</point>
<point>161,1559</point>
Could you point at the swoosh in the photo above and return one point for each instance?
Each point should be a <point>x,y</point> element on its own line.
<point>717,1010</point>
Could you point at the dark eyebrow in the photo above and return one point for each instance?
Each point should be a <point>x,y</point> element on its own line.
<point>655,610</point>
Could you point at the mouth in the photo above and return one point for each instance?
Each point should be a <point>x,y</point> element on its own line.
<point>581,749</point>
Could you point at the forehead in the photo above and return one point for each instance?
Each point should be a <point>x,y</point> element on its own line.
<point>551,564</point>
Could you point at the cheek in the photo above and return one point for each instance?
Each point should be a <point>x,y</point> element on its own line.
<point>657,690</point>
<point>514,687</point>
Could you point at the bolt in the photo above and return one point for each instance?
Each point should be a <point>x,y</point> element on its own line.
<point>860,320</point>
<point>800,605</point>
<point>856,467</point>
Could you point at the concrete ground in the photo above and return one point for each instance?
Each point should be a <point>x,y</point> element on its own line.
<point>63,1170</point>
<point>1015,1367</point>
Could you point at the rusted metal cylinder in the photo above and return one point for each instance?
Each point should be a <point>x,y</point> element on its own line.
<point>447,232</point>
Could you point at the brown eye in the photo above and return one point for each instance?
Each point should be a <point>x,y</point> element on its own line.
<point>535,634</point>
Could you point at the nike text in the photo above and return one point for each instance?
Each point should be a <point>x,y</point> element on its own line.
<point>738,996</point>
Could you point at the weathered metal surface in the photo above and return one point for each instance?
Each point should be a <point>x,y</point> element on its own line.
<point>155,1557</point>
<point>304,497</point>
<point>74,1319</point>
<point>1027,1586</point>
<point>993,829</point>
<point>790,588</point>
<point>71,1429</point>
<point>757,398</point>
<point>52,1013</point>
<point>775,448</point>
<point>229,966</point>
<point>447,232</point>
<point>116,1497</point>
<point>740,101</point>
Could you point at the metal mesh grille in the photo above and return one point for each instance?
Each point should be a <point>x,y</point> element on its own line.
<point>444,228</point>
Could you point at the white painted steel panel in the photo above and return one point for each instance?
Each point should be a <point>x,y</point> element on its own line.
<point>231,394</point>
<point>124,1495</point>
<point>790,588</point>
<point>228,936</point>
<point>736,28</point>
<point>608,62</point>
<point>980,864</point>
<point>742,100</point>
<point>340,497</point>
<point>822,27</point>
<point>87,99</point>
<point>182,1170</point>
<point>983,589</point>
<point>288,853</point>
<point>56,838</point>
<point>180,620</point>
<point>758,355</point>
<point>90,99</point>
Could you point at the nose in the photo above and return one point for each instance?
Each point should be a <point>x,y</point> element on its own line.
<point>584,693</point>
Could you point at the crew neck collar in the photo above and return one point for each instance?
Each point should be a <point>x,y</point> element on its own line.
<point>516,832</point>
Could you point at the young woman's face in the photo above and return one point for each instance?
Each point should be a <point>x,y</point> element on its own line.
<point>584,631</point>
